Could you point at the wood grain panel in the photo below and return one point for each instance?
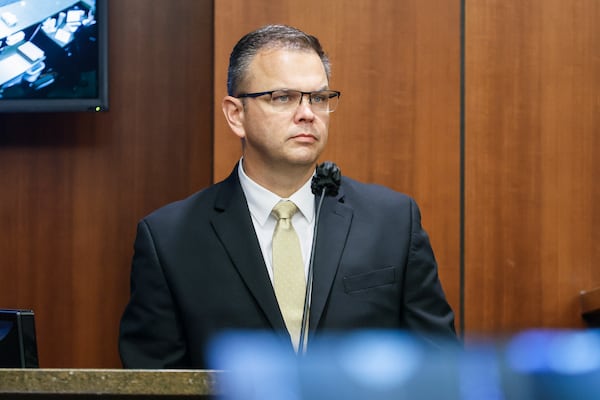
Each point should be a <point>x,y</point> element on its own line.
<point>397,65</point>
<point>74,185</point>
<point>532,118</point>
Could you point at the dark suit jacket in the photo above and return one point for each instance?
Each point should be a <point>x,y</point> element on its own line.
<point>198,270</point>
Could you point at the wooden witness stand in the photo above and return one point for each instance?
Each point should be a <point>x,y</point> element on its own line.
<point>107,384</point>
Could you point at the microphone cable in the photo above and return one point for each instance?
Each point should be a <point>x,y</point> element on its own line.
<point>327,180</point>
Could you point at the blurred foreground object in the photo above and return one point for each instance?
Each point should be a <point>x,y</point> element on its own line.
<point>382,365</point>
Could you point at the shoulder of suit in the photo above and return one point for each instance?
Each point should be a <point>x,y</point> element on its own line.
<point>182,207</point>
<point>352,187</point>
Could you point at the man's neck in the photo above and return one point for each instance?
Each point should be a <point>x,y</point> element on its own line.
<point>283,181</point>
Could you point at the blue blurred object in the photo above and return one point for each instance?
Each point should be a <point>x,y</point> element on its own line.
<point>557,364</point>
<point>383,365</point>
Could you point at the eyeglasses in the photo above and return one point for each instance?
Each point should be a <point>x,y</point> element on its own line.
<point>287,100</point>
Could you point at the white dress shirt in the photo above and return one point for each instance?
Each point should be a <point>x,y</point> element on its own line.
<point>261,202</point>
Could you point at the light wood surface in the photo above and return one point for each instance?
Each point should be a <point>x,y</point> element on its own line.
<point>532,171</point>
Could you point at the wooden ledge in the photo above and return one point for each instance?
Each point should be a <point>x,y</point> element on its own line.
<point>112,382</point>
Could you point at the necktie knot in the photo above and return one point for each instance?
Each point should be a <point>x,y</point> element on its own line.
<point>285,209</point>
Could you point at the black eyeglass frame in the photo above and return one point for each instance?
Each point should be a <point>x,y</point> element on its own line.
<point>333,93</point>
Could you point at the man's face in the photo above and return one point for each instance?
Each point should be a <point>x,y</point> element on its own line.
<point>282,139</point>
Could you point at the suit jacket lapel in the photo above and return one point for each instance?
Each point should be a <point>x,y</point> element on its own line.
<point>233,225</point>
<point>334,225</point>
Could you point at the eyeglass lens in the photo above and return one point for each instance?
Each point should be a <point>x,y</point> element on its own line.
<point>320,101</point>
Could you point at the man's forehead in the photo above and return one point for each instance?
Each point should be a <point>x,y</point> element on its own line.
<point>285,68</point>
<point>283,51</point>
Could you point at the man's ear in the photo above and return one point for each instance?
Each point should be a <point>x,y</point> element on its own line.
<point>234,114</point>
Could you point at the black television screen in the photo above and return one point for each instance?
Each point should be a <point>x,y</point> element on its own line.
<point>18,341</point>
<point>53,55</point>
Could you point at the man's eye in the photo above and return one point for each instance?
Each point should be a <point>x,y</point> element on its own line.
<point>318,98</point>
<point>281,98</point>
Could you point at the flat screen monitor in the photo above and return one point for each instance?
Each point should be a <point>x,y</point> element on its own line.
<point>53,55</point>
<point>18,343</point>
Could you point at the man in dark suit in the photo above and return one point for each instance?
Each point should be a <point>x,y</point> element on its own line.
<point>205,265</point>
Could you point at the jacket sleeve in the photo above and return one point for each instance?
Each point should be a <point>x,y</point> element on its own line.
<point>151,334</point>
<point>426,310</point>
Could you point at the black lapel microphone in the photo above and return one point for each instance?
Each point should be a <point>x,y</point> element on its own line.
<point>327,179</point>
<point>325,182</point>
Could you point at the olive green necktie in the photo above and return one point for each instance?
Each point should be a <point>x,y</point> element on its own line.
<point>288,269</point>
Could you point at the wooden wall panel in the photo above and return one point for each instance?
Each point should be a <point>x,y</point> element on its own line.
<point>397,65</point>
<point>532,137</point>
<point>74,185</point>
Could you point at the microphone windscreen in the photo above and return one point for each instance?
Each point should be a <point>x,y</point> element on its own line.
<point>329,177</point>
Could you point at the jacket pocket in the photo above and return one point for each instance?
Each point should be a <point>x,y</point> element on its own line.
<point>369,280</point>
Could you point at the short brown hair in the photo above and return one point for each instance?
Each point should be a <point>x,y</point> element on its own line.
<point>273,36</point>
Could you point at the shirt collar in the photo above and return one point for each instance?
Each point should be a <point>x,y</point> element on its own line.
<point>261,201</point>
